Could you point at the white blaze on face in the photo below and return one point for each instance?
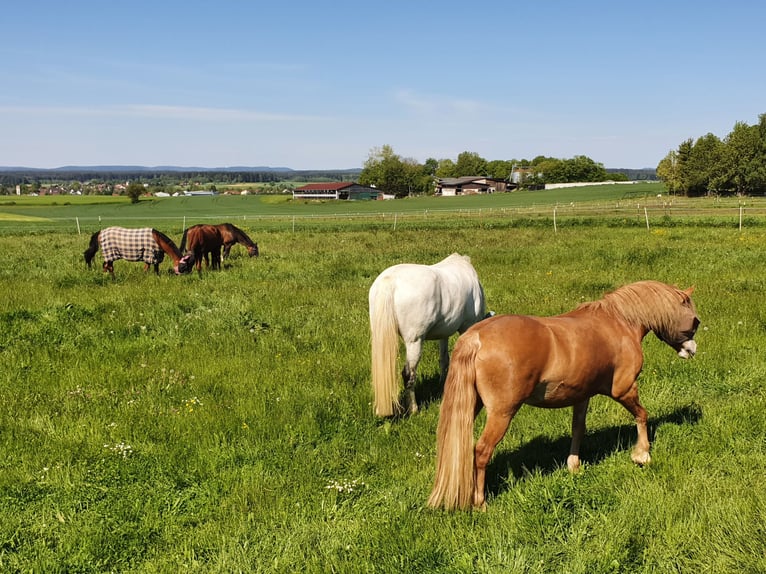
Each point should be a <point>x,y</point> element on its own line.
<point>688,349</point>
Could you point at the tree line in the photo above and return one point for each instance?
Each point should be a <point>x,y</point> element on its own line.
<point>710,165</point>
<point>383,169</point>
<point>400,176</point>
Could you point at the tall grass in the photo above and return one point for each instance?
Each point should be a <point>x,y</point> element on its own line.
<point>223,422</point>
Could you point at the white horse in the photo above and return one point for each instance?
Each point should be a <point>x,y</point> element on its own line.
<point>418,302</point>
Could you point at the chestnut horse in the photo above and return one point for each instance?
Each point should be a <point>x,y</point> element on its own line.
<point>204,241</point>
<point>511,360</point>
<point>418,302</point>
<point>146,244</point>
<point>230,235</point>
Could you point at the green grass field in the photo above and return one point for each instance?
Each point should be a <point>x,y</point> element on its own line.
<point>223,422</point>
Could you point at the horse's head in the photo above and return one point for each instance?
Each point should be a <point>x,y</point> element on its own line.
<point>252,251</point>
<point>185,264</point>
<point>681,336</point>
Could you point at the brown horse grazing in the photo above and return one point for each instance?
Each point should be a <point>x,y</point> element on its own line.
<point>510,360</point>
<point>231,235</point>
<point>146,244</point>
<point>204,241</point>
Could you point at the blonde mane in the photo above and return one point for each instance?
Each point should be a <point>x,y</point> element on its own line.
<point>650,304</point>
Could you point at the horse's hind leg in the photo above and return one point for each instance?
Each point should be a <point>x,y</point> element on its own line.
<point>443,360</point>
<point>578,431</point>
<point>494,431</point>
<point>414,349</point>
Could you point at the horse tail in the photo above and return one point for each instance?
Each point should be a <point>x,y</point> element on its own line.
<point>90,252</point>
<point>455,480</point>
<point>183,241</point>
<point>385,348</point>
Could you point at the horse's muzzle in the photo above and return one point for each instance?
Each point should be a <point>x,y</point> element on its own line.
<point>688,349</point>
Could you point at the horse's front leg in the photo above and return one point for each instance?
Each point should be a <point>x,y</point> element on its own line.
<point>578,431</point>
<point>414,349</point>
<point>629,400</point>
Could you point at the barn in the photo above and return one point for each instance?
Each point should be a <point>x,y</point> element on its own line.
<point>451,186</point>
<point>335,190</point>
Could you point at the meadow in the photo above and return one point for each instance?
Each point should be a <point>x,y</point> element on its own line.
<point>223,422</point>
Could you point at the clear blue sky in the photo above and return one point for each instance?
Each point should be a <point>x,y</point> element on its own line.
<point>317,85</point>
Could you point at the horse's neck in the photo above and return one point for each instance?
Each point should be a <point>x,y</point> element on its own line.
<point>174,254</point>
<point>596,308</point>
<point>243,239</point>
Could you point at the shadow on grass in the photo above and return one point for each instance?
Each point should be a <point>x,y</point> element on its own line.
<point>429,389</point>
<point>545,455</point>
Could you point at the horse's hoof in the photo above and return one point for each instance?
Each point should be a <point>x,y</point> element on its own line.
<point>641,458</point>
<point>573,463</point>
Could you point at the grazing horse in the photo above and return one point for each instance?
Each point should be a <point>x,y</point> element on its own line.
<point>231,235</point>
<point>511,360</point>
<point>147,245</point>
<point>418,302</point>
<point>204,241</point>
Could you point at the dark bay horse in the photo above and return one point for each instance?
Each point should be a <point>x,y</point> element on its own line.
<point>204,241</point>
<point>231,235</point>
<point>507,361</point>
<point>417,303</point>
<point>145,244</point>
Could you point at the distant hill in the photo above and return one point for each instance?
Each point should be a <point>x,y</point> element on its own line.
<point>646,173</point>
<point>141,168</point>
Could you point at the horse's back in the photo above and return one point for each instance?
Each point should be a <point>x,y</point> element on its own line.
<point>555,361</point>
<point>130,244</point>
<point>203,236</point>
<point>431,301</point>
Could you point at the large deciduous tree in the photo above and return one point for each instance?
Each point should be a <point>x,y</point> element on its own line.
<point>470,163</point>
<point>392,174</point>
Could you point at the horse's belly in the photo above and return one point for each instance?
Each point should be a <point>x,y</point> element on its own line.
<point>555,394</point>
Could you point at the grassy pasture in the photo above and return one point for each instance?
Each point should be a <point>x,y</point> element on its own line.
<point>223,423</point>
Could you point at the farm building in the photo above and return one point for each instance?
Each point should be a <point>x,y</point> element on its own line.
<point>335,190</point>
<point>451,186</point>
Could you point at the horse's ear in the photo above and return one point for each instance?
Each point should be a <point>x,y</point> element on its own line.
<point>690,290</point>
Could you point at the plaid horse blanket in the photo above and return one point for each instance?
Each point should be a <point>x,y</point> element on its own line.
<point>130,244</point>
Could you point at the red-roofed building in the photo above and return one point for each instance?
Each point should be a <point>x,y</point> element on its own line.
<point>335,190</point>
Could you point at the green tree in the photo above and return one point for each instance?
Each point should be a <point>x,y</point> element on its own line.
<point>388,172</point>
<point>430,166</point>
<point>667,171</point>
<point>743,170</point>
<point>581,168</point>
<point>446,168</point>
<point>499,168</point>
<point>134,191</point>
<point>470,163</point>
<point>702,161</point>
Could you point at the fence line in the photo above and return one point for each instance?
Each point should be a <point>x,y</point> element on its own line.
<point>658,214</point>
